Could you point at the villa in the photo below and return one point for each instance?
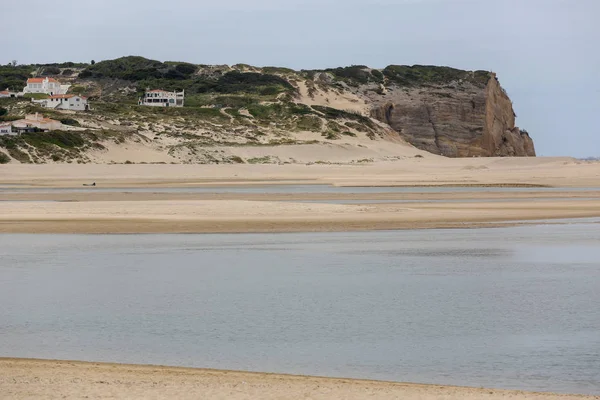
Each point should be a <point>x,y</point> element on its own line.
<point>162,98</point>
<point>45,85</point>
<point>71,102</point>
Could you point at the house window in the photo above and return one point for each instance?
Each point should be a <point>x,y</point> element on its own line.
<point>77,99</point>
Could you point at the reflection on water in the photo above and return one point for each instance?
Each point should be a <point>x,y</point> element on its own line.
<point>510,307</point>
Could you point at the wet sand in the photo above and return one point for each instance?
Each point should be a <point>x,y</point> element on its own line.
<point>41,379</point>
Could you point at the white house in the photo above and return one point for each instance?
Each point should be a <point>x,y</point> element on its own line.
<point>45,85</point>
<point>6,129</point>
<point>65,102</point>
<point>8,93</point>
<point>162,98</point>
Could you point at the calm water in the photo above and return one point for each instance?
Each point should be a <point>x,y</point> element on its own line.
<point>508,308</point>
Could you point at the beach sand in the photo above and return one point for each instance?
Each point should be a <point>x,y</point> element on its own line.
<point>95,211</point>
<point>40,379</point>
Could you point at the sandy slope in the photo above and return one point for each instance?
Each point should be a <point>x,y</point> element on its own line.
<point>38,379</point>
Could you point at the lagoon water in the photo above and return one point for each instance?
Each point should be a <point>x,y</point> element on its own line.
<point>515,307</point>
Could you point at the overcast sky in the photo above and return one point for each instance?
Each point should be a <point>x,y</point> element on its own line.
<point>546,52</point>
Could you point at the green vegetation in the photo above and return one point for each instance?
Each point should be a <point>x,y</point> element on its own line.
<point>4,158</point>
<point>50,70</point>
<point>3,111</point>
<point>334,113</point>
<point>133,68</point>
<point>422,75</point>
<point>36,96</point>
<point>14,77</point>
<point>182,76</point>
<point>278,70</point>
<point>309,123</point>
<point>69,121</point>
<point>63,139</point>
<point>357,74</point>
<point>77,89</point>
<point>260,160</point>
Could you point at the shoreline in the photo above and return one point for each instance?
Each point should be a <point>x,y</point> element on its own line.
<point>72,379</point>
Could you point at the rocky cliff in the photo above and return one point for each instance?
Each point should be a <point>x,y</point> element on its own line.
<point>463,118</point>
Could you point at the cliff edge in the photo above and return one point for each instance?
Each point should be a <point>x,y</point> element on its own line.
<point>462,118</point>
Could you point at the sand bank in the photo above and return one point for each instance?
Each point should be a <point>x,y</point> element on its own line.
<point>426,171</point>
<point>220,216</point>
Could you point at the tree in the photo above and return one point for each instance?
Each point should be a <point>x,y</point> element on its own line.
<point>13,63</point>
<point>93,62</point>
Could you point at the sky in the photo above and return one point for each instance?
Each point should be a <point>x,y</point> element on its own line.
<point>546,52</point>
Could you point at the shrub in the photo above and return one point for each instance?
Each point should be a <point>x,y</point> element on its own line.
<point>4,158</point>
<point>309,123</point>
<point>50,71</point>
<point>69,121</point>
<point>67,72</point>
<point>64,139</point>
<point>3,111</point>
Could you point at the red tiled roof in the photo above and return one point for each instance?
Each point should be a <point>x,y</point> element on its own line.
<point>40,80</point>
<point>4,92</point>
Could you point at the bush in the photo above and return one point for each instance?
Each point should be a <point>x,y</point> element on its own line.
<point>69,121</point>
<point>4,158</point>
<point>67,72</point>
<point>50,71</point>
<point>64,139</point>
<point>3,111</point>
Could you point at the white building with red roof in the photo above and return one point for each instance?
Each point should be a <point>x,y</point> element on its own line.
<point>162,98</point>
<point>8,93</point>
<point>45,85</point>
<point>71,102</point>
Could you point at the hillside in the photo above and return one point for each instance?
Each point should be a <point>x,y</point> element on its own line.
<point>245,114</point>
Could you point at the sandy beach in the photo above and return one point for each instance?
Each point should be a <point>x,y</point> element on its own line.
<point>41,379</point>
<point>123,211</point>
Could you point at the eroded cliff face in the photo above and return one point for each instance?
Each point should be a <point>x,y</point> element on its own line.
<point>459,119</point>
